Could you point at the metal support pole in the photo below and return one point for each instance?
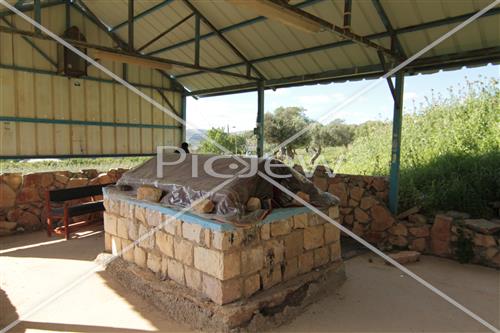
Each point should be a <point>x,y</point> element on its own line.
<point>259,131</point>
<point>131,25</point>
<point>38,14</point>
<point>183,116</point>
<point>197,40</point>
<point>396,143</point>
<point>68,13</point>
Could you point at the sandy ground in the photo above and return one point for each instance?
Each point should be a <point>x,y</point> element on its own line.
<point>35,271</point>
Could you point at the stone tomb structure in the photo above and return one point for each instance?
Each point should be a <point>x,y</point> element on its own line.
<point>218,276</point>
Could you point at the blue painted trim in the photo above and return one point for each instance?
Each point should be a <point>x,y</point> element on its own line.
<point>276,215</point>
<point>142,14</point>
<point>228,28</point>
<point>82,122</point>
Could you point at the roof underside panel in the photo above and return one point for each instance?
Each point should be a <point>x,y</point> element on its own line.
<point>280,51</point>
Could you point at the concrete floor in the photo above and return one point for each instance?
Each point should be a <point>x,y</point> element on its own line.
<point>375,298</point>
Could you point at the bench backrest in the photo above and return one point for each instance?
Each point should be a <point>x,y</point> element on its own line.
<point>75,192</point>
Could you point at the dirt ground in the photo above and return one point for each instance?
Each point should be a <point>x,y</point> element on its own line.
<point>35,271</point>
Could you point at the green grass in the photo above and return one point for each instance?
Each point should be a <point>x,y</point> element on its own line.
<point>450,151</point>
<point>71,164</point>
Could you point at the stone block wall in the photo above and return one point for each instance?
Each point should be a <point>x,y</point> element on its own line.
<point>223,265</point>
<point>22,197</point>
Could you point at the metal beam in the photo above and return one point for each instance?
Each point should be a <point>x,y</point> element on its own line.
<point>33,45</point>
<point>38,14</point>
<point>142,14</point>
<point>183,116</point>
<point>387,23</point>
<point>197,40</point>
<point>228,28</point>
<point>413,28</point>
<point>27,7</point>
<point>222,37</point>
<point>397,122</point>
<point>389,80</point>
<point>90,78</point>
<point>347,14</point>
<point>166,100</point>
<point>259,131</point>
<point>68,14</point>
<point>131,25</point>
<point>165,32</point>
<point>22,157</point>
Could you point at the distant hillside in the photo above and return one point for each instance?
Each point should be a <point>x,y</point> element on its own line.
<point>194,137</point>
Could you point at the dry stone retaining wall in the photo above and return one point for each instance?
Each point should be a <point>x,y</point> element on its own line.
<point>22,197</point>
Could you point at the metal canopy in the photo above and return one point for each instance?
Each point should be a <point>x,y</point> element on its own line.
<point>220,37</point>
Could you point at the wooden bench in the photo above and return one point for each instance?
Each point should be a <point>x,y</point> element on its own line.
<point>60,207</point>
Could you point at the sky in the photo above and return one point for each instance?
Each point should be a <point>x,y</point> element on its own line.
<point>328,102</point>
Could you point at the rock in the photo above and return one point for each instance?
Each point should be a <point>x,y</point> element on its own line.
<point>375,237</point>
<point>204,206</point>
<point>484,240</point>
<point>46,179</point>
<point>360,215</point>
<point>490,253</point>
<point>367,202</point>
<point>7,195</point>
<point>149,193</point>
<point>29,221</point>
<point>441,235</point>
<point>14,214</point>
<point>357,193</point>
<point>358,229</point>
<point>399,241</point>
<point>89,173</point>
<point>417,219</point>
<point>14,180</point>
<point>77,182</point>
<point>349,219</point>
<point>104,179</point>
<point>339,190</point>
<point>420,231</point>
<point>380,184</point>
<point>62,178</point>
<point>253,204</point>
<point>28,195</point>
<point>408,212</point>
<point>5,225</point>
<point>321,183</point>
<point>382,218</point>
<point>418,244</point>
<point>353,203</point>
<point>457,215</point>
<point>405,257</point>
<point>303,196</point>
<point>31,179</point>
<point>483,226</point>
<point>398,229</point>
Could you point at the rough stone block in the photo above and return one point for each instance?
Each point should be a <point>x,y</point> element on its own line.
<point>418,244</point>
<point>147,239</point>
<point>172,225</point>
<point>333,212</point>
<point>164,268</point>
<point>313,237</point>
<point>252,260</point>
<point>270,276</point>
<point>223,240</point>
<point>398,229</point>
<point>140,257</point>
<point>110,224</point>
<point>183,251</point>
<point>304,197</point>
<point>382,218</point>
<point>314,219</point>
<point>484,240</point>
<point>441,235</point>
<point>306,262</point>
<point>128,250</point>
<point>193,278</point>
<point>300,221</point>
<point>335,251</point>
<point>149,193</point>
<point>280,228</point>
<point>192,232</point>
<point>165,243</point>
<point>420,231</point>
<point>357,193</point>
<point>154,262</point>
<point>253,204</point>
<point>126,209</point>
<point>116,245</point>
<point>405,257</point>
<point>221,292</point>
<point>140,214</point>
<point>361,216</point>
<point>221,265</point>
<point>175,271</point>
<point>367,202</point>
<point>153,217</point>
<point>121,227</point>
<point>107,242</point>
<point>291,269</point>
<point>332,233</point>
<point>274,252</point>
<point>251,285</point>
<point>321,256</point>
<point>294,244</point>
<point>265,231</point>
<point>133,229</point>
<point>204,206</point>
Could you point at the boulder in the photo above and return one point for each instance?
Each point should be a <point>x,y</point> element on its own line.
<point>483,226</point>
<point>14,180</point>
<point>420,231</point>
<point>5,225</point>
<point>29,221</point>
<point>441,235</point>
<point>405,257</point>
<point>149,193</point>
<point>484,240</point>
<point>321,183</point>
<point>7,196</point>
<point>360,215</point>
<point>399,229</point>
<point>382,218</point>
<point>417,219</point>
<point>379,184</point>
<point>408,212</point>
<point>204,206</point>
<point>339,190</point>
<point>367,202</point>
<point>77,182</point>
<point>398,241</point>
<point>253,204</point>
<point>303,196</point>
<point>28,195</point>
<point>356,193</point>
<point>418,244</point>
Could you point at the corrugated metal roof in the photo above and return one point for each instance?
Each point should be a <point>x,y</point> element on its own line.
<point>276,50</point>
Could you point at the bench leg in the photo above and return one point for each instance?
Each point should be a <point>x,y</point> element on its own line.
<point>49,226</point>
<point>66,223</point>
